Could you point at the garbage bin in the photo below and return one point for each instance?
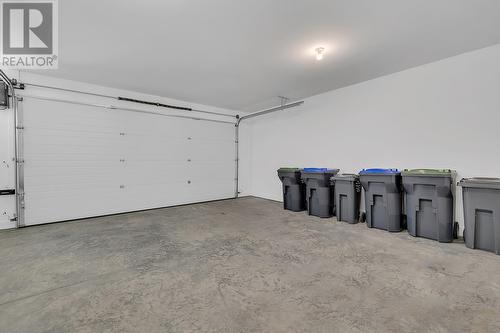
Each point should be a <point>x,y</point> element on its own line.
<point>430,204</point>
<point>319,191</point>
<point>347,197</point>
<point>382,198</point>
<point>294,190</point>
<point>482,213</point>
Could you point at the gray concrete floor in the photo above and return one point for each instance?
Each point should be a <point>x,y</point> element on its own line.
<point>240,266</point>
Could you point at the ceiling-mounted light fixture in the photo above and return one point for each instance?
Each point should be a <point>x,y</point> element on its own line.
<point>320,51</point>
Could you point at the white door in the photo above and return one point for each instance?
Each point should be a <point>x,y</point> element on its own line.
<point>83,161</point>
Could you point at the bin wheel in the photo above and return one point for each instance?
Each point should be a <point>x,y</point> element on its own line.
<point>455,230</point>
<point>362,217</point>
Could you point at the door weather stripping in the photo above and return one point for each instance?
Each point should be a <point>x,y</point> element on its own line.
<point>252,115</point>
<point>113,107</point>
<point>22,85</point>
<point>18,170</point>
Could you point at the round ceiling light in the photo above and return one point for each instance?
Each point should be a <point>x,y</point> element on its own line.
<point>320,51</point>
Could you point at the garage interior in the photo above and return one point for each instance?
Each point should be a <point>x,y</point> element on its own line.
<point>139,187</point>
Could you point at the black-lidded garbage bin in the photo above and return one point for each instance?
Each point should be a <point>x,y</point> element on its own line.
<point>430,203</point>
<point>482,213</point>
<point>382,198</point>
<point>319,191</point>
<point>347,197</point>
<point>294,190</point>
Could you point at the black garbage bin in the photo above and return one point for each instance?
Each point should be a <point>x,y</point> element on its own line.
<point>382,198</point>
<point>319,191</point>
<point>294,190</point>
<point>347,197</point>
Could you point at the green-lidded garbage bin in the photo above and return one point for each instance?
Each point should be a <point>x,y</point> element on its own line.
<point>430,203</point>
<point>319,191</point>
<point>382,198</point>
<point>294,190</point>
<point>482,213</point>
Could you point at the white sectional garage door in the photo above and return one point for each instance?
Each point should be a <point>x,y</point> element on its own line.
<point>83,161</point>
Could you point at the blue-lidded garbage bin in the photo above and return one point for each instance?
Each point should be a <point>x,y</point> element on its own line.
<point>383,198</point>
<point>319,191</point>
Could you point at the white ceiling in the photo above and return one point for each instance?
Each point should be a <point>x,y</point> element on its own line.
<point>241,54</point>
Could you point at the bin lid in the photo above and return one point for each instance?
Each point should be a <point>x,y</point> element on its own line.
<point>321,170</point>
<point>287,169</point>
<point>378,171</point>
<point>428,172</point>
<point>346,176</point>
<point>480,182</point>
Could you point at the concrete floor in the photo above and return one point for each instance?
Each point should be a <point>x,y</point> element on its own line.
<point>240,266</point>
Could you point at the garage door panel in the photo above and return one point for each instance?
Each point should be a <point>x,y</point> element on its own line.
<point>213,152</point>
<point>220,137</point>
<point>75,146</point>
<point>83,161</point>
<point>212,131</point>
<point>221,171</point>
<point>205,190</point>
<point>54,167</point>
<point>70,117</point>
<point>138,123</point>
<point>161,180</point>
<point>148,196</point>
<point>73,181</point>
<point>42,174</point>
<point>78,203</point>
<point>170,152</point>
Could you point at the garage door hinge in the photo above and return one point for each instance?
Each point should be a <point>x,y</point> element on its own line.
<point>19,127</point>
<point>122,134</point>
<point>20,161</point>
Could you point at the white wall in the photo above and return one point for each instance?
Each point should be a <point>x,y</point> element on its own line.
<point>7,203</point>
<point>441,115</point>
